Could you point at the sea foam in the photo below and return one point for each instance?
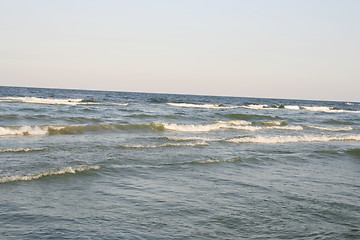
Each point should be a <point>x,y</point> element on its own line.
<point>292,139</point>
<point>208,106</point>
<point>219,125</point>
<point>71,170</point>
<point>19,150</point>
<point>333,129</point>
<point>57,101</point>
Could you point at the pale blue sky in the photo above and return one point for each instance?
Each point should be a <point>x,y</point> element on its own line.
<point>305,49</point>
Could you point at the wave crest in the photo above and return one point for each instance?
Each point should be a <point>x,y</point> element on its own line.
<point>236,125</point>
<point>57,101</point>
<point>208,106</point>
<point>22,150</point>
<point>293,139</point>
<point>62,171</point>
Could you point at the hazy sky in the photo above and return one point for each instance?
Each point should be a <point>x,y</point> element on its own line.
<point>307,49</point>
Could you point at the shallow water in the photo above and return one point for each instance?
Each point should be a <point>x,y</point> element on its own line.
<point>112,165</point>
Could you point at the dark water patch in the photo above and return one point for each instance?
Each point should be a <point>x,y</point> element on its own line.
<point>145,116</point>
<point>94,128</point>
<point>354,152</point>
<point>11,117</point>
<point>251,117</point>
<point>336,122</point>
<point>82,120</point>
<point>158,100</point>
<point>327,152</point>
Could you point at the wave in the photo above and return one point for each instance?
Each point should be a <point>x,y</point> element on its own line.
<point>208,106</point>
<point>293,139</point>
<point>22,150</point>
<point>259,107</point>
<point>295,107</point>
<point>57,101</point>
<point>194,144</point>
<point>334,129</point>
<point>62,171</point>
<point>184,139</point>
<point>66,130</point>
<point>328,110</point>
<point>275,123</point>
<point>291,107</point>
<point>24,131</point>
<point>250,117</point>
<point>207,161</point>
<point>236,125</point>
<point>354,152</point>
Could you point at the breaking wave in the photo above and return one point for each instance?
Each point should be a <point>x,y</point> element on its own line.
<point>62,171</point>
<point>19,150</point>
<point>333,129</point>
<point>56,101</point>
<point>259,107</point>
<point>208,106</point>
<point>295,107</point>
<point>65,130</point>
<point>293,139</point>
<point>236,125</point>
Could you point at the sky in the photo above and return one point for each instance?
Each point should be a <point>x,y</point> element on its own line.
<point>298,49</point>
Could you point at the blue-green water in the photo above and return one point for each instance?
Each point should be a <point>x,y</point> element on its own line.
<point>113,165</point>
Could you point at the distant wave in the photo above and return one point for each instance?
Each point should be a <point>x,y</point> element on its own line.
<point>207,161</point>
<point>208,106</point>
<point>328,110</point>
<point>250,116</point>
<point>259,107</point>
<point>334,129</point>
<point>236,125</point>
<point>19,150</point>
<point>295,107</point>
<point>192,144</point>
<point>56,101</point>
<point>293,139</point>
<point>62,171</point>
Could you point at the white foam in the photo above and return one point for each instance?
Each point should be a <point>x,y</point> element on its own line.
<point>36,176</point>
<point>334,129</point>
<point>194,144</point>
<point>293,139</point>
<point>208,106</point>
<point>183,139</point>
<point>22,150</point>
<point>27,130</point>
<point>201,128</point>
<point>259,107</point>
<point>56,101</point>
<point>291,107</point>
<point>216,161</point>
<point>45,100</point>
<point>328,110</point>
<point>23,131</point>
<point>237,125</point>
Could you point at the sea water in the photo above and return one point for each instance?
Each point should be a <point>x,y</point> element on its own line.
<point>77,164</point>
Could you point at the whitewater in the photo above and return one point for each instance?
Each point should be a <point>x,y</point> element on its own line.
<point>79,164</point>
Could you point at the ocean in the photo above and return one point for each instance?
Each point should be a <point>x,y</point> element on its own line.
<point>78,164</point>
